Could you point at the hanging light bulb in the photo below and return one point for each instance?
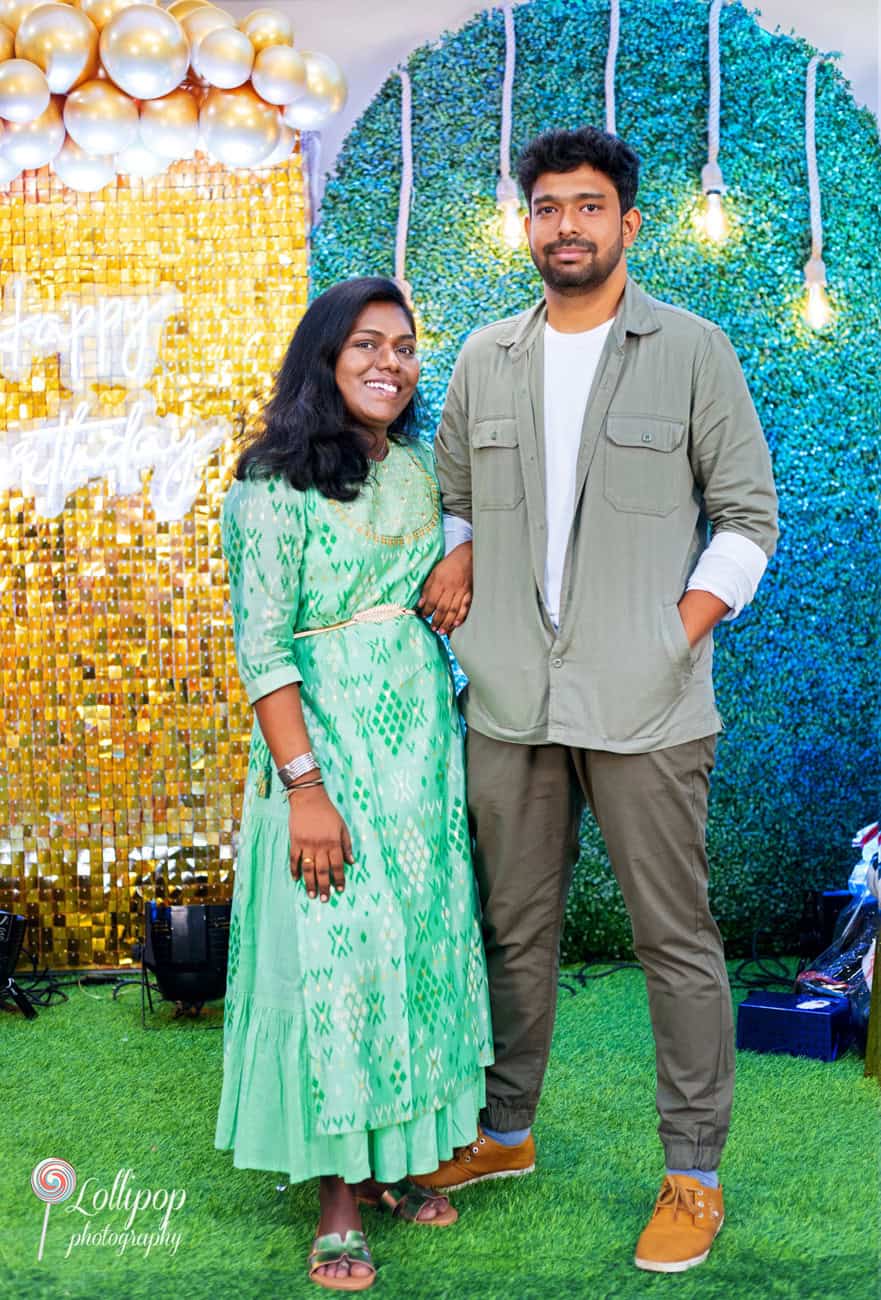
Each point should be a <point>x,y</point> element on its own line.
<point>715,221</point>
<point>817,311</point>
<point>509,203</point>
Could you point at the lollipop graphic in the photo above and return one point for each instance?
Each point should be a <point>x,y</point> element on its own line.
<point>52,1181</point>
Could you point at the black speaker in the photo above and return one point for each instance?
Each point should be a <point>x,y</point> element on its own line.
<point>186,947</point>
<point>12,930</point>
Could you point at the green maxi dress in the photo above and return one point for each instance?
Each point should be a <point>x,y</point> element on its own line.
<point>355,1031</point>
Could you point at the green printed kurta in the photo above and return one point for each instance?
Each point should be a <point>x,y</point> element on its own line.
<point>355,1031</point>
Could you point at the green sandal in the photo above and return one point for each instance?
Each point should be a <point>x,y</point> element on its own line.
<point>405,1199</point>
<point>332,1249</point>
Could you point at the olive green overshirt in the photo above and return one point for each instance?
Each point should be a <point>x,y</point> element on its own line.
<point>671,442</point>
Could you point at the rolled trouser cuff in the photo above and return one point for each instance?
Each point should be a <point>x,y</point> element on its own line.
<point>506,1119</point>
<point>682,1154</point>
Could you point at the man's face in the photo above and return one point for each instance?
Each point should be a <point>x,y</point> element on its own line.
<point>577,235</point>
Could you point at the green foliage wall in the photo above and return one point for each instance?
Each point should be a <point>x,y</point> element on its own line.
<point>798,674</point>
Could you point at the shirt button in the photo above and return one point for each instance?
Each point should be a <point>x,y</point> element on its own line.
<point>558,663</point>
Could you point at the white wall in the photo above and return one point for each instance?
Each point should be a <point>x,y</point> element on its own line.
<point>369,37</point>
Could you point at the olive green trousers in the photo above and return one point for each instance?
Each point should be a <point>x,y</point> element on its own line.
<point>526,804</point>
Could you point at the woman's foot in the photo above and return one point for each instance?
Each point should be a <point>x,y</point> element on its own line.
<point>339,1213</point>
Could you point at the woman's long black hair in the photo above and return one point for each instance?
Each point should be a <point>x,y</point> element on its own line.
<point>306,433</point>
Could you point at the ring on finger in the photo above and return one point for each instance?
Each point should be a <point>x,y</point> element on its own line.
<point>308,862</point>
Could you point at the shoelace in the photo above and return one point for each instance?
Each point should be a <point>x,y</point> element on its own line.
<point>674,1196</point>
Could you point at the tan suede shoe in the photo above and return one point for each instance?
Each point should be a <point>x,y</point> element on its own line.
<point>683,1226</point>
<point>483,1159</point>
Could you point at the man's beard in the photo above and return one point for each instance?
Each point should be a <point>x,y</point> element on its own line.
<point>574,280</point>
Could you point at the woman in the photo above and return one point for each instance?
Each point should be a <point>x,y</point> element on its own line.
<point>356,1020</point>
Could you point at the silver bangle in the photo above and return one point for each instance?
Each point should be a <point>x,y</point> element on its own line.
<point>297,767</point>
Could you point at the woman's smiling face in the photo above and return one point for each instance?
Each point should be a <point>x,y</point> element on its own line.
<point>377,370</point>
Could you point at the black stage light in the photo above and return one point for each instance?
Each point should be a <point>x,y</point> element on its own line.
<point>186,948</point>
<point>12,928</point>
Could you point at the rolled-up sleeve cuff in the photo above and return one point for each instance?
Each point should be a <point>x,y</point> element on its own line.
<point>456,531</point>
<point>731,569</point>
<point>266,683</point>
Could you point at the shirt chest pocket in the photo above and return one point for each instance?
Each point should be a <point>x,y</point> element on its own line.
<point>646,469</point>
<point>496,472</point>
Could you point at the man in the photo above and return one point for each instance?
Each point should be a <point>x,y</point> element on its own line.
<point>585,447</point>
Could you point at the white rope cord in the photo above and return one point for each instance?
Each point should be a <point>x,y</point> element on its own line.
<point>811,151</point>
<point>508,94</point>
<point>406,196</point>
<point>611,60</point>
<point>715,83</point>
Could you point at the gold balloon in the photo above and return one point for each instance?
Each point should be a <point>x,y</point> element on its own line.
<point>279,74</point>
<point>33,144</point>
<point>7,43</point>
<point>24,91</point>
<point>224,58</point>
<point>326,93</point>
<point>181,8</point>
<point>62,41</point>
<point>101,11</point>
<point>101,118</point>
<point>170,125</point>
<point>83,171</point>
<point>12,11</point>
<point>265,27</point>
<point>203,20</point>
<point>145,51</point>
<point>238,127</point>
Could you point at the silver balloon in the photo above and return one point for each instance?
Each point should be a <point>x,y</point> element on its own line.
<point>224,58</point>
<point>24,91</point>
<point>145,51</point>
<point>287,139</point>
<point>33,144</point>
<point>7,43</point>
<point>170,125</point>
<point>326,94</point>
<point>62,41</point>
<point>101,118</point>
<point>82,171</point>
<point>265,27</point>
<point>8,170</point>
<point>279,74</point>
<point>140,162</point>
<point>238,127</point>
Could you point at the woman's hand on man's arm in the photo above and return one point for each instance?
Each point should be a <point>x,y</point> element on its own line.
<point>446,595</point>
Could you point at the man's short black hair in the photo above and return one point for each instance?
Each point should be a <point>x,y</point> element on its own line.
<point>563,151</point>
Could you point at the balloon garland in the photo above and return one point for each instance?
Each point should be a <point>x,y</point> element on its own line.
<point>100,88</point>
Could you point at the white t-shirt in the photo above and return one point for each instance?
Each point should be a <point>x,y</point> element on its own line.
<point>571,361</point>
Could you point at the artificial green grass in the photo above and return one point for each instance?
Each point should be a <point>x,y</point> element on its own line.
<point>83,1082</point>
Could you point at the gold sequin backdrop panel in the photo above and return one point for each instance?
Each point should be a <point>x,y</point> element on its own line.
<point>123,728</point>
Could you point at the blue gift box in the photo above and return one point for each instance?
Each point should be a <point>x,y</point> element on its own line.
<point>801,1024</point>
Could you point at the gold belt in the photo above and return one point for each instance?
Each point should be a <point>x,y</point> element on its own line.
<point>376,614</point>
